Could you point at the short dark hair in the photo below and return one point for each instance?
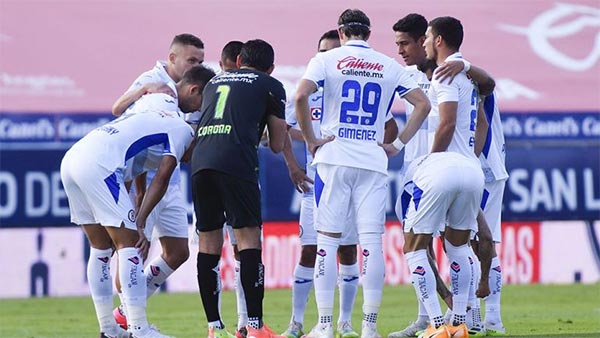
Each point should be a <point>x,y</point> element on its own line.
<point>415,25</point>
<point>198,75</point>
<point>257,54</point>
<point>231,50</point>
<point>329,35</point>
<point>450,29</point>
<point>355,22</point>
<point>186,39</point>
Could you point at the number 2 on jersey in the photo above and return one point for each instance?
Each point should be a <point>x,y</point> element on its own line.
<point>369,101</point>
<point>223,91</point>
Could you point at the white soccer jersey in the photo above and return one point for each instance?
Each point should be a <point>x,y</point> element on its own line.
<point>418,144</point>
<point>136,143</point>
<point>462,91</point>
<point>357,97</point>
<point>493,155</point>
<point>156,74</point>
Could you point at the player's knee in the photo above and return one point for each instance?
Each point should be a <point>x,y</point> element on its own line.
<point>347,254</point>
<point>176,257</point>
<point>308,255</point>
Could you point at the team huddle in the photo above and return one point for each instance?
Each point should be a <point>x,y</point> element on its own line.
<point>123,180</point>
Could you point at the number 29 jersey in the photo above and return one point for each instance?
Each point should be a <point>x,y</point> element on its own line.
<point>359,85</point>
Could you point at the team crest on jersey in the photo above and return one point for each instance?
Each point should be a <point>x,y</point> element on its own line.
<point>315,114</point>
<point>131,215</point>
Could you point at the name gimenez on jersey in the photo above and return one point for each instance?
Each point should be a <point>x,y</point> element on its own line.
<point>353,66</point>
<point>357,134</point>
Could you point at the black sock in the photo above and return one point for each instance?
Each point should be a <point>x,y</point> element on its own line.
<point>209,284</point>
<point>252,273</point>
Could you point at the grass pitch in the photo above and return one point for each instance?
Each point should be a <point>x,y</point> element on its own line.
<point>527,310</point>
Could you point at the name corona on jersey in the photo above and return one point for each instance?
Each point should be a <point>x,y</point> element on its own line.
<point>357,134</point>
<point>351,65</point>
<point>217,129</point>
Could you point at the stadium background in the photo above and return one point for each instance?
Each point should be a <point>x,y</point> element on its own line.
<point>63,63</point>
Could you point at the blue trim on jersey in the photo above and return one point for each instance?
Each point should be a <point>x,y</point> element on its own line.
<point>319,185</point>
<point>402,90</point>
<point>484,198</point>
<point>404,202</point>
<point>359,46</point>
<point>113,186</point>
<point>320,83</point>
<point>488,108</point>
<point>417,193</point>
<point>146,142</point>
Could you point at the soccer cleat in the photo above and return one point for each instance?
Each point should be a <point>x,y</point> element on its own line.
<point>459,331</point>
<point>119,316</point>
<point>263,332</point>
<point>218,333</point>
<point>412,330</point>
<point>369,330</point>
<point>320,331</point>
<point>477,330</point>
<point>120,334</point>
<point>494,329</point>
<point>345,330</point>
<point>241,332</point>
<point>440,332</point>
<point>293,331</point>
<point>149,332</point>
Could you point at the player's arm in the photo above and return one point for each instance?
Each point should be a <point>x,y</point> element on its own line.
<point>419,100</point>
<point>480,129</point>
<point>297,174</point>
<point>140,190</point>
<point>304,90</point>
<point>296,135</point>
<point>131,96</point>
<point>450,69</point>
<point>390,131</point>
<point>441,287</point>
<point>277,133</point>
<point>445,131</point>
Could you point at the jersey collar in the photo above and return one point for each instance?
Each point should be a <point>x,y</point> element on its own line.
<point>357,43</point>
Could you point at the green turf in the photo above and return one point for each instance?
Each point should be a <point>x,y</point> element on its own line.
<point>530,311</point>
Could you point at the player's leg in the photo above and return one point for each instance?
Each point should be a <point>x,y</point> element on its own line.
<point>348,284</point>
<point>208,207</point>
<point>240,297</point>
<point>368,201</point>
<point>492,209</point>
<point>332,200</point>
<point>304,270</point>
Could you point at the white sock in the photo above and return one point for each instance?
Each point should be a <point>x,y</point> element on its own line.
<point>423,280</point>
<point>422,314</point>
<point>123,305</point>
<point>133,287</point>
<point>100,282</point>
<point>373,275</point>
<point>474,314</point>
<point>492,302</point>
<point>240,298</point>
<point>156,272</point>
<point>325,276</point>
<point>460,280</point>
<point>303,282</point>
<point>348,284</point>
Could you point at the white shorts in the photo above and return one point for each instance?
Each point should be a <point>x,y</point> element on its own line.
<point>169,216</point>
<point>308,234</point>
<point>450,196</point>
<point>339,189</point>
<point>96,196</point>
<point>491,204</point>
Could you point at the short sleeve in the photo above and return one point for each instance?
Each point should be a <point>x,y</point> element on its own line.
<point>180,137</point>
<point>405,83</point>
<point>315,71</point>
<point>277,99</point>
<point>446,92</point>
<point>290,114</point>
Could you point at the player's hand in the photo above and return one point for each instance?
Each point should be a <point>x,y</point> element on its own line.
<point>389,149</point>
<point>159,87</point>
<point>313,146</point>
<point>448,69</point>
<point>142,244</point>
<point>300,179</point>
<point>483,290</point>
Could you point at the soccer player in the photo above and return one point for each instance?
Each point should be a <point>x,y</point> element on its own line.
<point>304,271</point>
<point>442,185</point>
<point>237,105</point>
<point>409,37</point>
<point>168,220</point>
<point>359,84</point>
<point>94,172</point>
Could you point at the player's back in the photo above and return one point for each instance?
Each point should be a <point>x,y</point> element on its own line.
<point>359,84</point>
<point>235,108</point>
<point>462,91</point>
<point>135,143</point>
